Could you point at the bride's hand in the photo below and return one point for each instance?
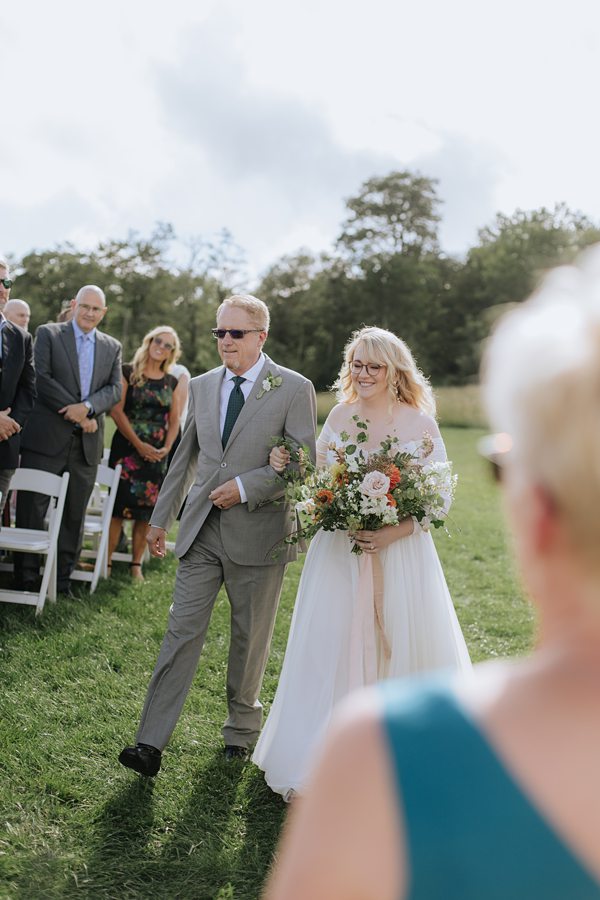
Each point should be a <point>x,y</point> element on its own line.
<point>279,458</point>
<point>374,541</point>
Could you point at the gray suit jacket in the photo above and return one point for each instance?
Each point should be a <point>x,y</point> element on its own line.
<point>57,383</point>
<point>250,531</point>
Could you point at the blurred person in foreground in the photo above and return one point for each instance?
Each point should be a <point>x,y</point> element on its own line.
<point>490,787</point>
<point>17,385</point>
<point>19,313</point>
<point>147,419</point>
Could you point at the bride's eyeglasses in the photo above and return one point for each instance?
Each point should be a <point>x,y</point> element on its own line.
<point>496,449</point>
<point>373,369</point>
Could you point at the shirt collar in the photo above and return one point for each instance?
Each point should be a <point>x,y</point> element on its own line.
<point>252,374</point>
<point>79,333</point>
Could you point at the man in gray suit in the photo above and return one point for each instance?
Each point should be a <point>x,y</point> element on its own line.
<point>229,528</point>
<point>78,379</point>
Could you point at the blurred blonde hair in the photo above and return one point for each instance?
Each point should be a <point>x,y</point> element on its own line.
<point>256,309</point>
<point>140,357</point>
<point>405,380</point>
<point>541,374</point>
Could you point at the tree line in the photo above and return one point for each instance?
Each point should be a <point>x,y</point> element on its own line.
<point>386,268</point>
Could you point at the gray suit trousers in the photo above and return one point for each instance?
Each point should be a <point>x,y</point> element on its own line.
<point>253,594</point>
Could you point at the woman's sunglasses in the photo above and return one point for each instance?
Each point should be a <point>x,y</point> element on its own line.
<point>7,282</point>
<point>496,448</point>
<point>164,344</point>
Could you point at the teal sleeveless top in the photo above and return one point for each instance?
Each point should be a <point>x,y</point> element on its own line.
<point>471,833</point>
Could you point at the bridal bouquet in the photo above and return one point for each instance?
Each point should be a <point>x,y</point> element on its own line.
<point>366,490</point>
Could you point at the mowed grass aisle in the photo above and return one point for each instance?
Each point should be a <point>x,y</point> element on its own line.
<point>74,823</point>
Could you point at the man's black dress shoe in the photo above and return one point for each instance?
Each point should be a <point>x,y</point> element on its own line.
<point>233,752</point>
<point>142,758</point>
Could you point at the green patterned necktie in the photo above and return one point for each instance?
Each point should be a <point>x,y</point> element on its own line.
<point>234,408</point>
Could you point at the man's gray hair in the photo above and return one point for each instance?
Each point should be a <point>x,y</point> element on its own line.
<point>12,303</point>
<point>4,264</point>
<point>92,288</point>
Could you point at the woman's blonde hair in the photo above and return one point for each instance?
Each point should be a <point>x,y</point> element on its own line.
<point>541,374</point>
<point>140,357</point>
<point>405,380</point>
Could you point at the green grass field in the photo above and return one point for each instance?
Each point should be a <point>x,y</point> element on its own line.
<point>74,823</point>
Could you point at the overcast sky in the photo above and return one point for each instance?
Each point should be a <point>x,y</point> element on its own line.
<point>261,116</point>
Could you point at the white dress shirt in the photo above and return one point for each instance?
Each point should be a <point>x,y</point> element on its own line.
<point>247,386</point>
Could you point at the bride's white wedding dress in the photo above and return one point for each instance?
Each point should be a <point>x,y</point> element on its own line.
<point>419,621</point>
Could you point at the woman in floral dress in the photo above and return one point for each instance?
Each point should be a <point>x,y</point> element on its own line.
<point>147,419</point>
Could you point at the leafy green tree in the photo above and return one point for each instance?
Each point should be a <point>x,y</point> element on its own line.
<point>512,255</point>
<point>393,214</point>
<point>514,251</point>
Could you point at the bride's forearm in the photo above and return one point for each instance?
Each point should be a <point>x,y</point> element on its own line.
<point>404,528</point>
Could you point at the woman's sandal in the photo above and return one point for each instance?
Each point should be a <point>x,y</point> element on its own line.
<point>137,576</point>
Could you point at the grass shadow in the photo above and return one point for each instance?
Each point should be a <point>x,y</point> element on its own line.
<point>122,850</point>
<point>222,844</point>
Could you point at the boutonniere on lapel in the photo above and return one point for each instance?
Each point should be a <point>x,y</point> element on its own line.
<point>269,384</point>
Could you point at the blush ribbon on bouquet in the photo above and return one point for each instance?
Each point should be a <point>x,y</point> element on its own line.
<point>367,622</point>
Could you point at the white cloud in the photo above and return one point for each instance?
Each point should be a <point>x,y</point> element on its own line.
<point>263,117</point>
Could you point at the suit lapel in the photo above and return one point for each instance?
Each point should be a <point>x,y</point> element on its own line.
<point>210,399</point>
<point>68,338</point>
<point>7,342</point>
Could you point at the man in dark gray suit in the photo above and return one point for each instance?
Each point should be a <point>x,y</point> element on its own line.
<point>78,379</point>
<point>17,386</point>
<point>229,528</point>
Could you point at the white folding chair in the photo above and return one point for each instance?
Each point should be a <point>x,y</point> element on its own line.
<point>97,525</point>
<point>30,540</point>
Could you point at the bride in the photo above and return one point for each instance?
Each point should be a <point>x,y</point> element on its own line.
<point>379,382</point>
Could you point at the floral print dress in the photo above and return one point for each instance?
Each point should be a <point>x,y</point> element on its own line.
<point>147,407</point>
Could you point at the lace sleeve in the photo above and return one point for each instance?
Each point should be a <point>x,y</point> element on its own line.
<point>323,441</point>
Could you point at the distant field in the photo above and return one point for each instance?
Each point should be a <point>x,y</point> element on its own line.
<point>457,406</point>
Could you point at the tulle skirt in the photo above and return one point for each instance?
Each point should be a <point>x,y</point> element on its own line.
<point>421,630</point>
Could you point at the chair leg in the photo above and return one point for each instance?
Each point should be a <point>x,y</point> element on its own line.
<point>49,579</point>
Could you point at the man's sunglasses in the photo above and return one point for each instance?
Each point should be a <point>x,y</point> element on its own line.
<point>496,448</point>
<point>7,283</point>
<point>236,333</point>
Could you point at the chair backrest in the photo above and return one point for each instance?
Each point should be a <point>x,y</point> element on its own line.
<point>36,480</point>
<point>54,486</point>
<point>106,478</point>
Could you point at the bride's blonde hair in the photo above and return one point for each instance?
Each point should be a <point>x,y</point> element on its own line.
<point>405,381</point>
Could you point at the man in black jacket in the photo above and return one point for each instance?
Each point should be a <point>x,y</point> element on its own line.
<point>17,386</point>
